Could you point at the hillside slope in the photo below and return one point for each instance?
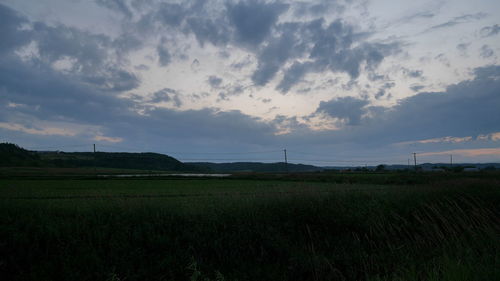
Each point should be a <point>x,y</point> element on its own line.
<point>123,160</point>
<point>12,155</point>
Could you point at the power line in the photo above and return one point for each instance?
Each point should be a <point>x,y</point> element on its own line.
<point>179,154</point>
<point>360,162</point>
<point>208,153</point>
<point>228,159</point>
<point>343,160</point>
<point>196,153</point>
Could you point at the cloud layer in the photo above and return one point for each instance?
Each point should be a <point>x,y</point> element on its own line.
<point>246,75</point>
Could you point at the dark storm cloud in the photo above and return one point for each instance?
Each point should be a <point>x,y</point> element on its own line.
<point>50,96</point>
<point>120,80</point>
<point>142,67</point>
<point>413,73</point>
<point>349,109</point>
<point>209,30</point>
<point>109,78</point>
<point>255,26</point>
<point>166,95</point>
<point>90,57</point>
<point>383,90</point>
<point>11,32</point>
<point>486,52</point>
<point>164,57</point>
<point>490,30</point>
<point>238,65</point>
<point>186,17</point>
<point>292,76</point>
<point>329,48</point>
<point>462,48</point>
<point>87,55</point>
<point>253,20</point>
<point>416,88</point>
<point>56,96</point>
<point>333,50</point>
<point>214,81</point>
<point>209,124</point>
<point>380,94</point>
<point>88,92</point>
<point>116,5</point>
<point>59,42</point>
<point>227,91</point>
<point>171,14</point>
<point>320,8</point>
<point>126,42</point>
<point>467,108</point>
<point>443,59</point>
<point>272,57</point>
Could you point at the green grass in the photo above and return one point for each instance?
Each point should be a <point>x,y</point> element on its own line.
<point>242,229</point>
<point>58,172</point>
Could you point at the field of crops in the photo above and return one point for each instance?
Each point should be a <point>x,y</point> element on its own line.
<point>249,229</point>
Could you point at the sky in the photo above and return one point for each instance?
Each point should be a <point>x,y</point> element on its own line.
<point>342,82</point>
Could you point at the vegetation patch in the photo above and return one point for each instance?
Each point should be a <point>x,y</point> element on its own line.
<point>230,229</point>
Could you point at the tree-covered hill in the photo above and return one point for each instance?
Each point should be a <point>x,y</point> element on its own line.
<point>123,160</point>
<point>12,155</point>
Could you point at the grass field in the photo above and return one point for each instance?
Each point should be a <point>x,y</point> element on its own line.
<point>249,229</point>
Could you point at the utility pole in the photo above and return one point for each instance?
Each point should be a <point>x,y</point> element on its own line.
<point>95,168</point>
<point>286,161</point>
<point>451,160</point>
<point>415,160</point>
<point>408,164</point>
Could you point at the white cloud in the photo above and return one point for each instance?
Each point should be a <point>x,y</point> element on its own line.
<point>476,152</point>
<point>38,131</point>
<point>108,139</point>
<point>492,137</point>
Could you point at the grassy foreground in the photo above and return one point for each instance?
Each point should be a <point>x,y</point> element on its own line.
<point>237,229</point>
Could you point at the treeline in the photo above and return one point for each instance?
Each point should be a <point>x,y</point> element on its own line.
<point>256,167</point>
<point>12,155</point>
<point>122,160</point>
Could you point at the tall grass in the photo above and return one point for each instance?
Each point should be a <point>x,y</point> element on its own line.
<point>442,231</point>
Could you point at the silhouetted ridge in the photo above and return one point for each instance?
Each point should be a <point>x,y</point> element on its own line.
<point>256,167</point>
<point>122,160</point>
<point>12,155</point>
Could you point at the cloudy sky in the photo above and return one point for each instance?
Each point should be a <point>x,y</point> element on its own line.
<point>347,82</point>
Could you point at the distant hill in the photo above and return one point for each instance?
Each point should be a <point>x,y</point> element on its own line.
<point>12,155</point>
<point>122,160</point>
<point>256,167</point>
<point>423,166</point>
